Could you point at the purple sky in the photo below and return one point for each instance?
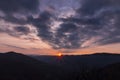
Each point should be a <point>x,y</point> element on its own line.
<point>67,26</point>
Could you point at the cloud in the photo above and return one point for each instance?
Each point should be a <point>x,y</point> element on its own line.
<point>22,29</point>
<point>16,12</point>
<point>67,36</point>
<point>74,32</point>
<point>42,24</point>
<point>14,30</point>
<point>25,32</point>
<point>13,46</point>
<point>94,22</point>
<point>14,20</point>
<point>12,6</point>
<point>90,7</point>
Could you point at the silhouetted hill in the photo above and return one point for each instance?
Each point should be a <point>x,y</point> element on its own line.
<point>16,66</point>
<point>109,72</point>
<point>96,60</point>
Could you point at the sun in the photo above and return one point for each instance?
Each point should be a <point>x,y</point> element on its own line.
<point>59,54</point>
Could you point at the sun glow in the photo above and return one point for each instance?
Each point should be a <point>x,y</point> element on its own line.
<point>59,54</point>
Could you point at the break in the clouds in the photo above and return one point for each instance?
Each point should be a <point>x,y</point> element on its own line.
<point>63,24</point>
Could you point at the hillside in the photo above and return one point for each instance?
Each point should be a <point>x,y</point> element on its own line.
<point>15,66</point>
<point>110,72</point>
<point>97,60</point>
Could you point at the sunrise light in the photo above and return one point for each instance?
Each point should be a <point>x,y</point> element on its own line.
<point>59,54</point>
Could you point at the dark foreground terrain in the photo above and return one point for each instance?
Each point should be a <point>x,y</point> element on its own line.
<point>15,66</point>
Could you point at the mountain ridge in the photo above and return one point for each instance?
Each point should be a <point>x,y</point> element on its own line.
<point>16,66</point>
<point>90,60</point>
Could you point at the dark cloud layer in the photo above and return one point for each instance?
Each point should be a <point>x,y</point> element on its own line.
<point>16,31</point>
<point>95,18</point>
<point>90,7</point>
<point>22,29</point>
<point>21,8</point>
<point>14,20</point>
<point>41,24</point>
<point>67,36</point>
<point>11,6</point>
<point>99,20</point>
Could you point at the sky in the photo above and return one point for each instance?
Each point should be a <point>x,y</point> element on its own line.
<point>47,27</point>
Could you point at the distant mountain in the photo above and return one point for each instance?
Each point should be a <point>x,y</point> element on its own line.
<point>100,66</point>
<point>16,66</point>
<point>78,62</point>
